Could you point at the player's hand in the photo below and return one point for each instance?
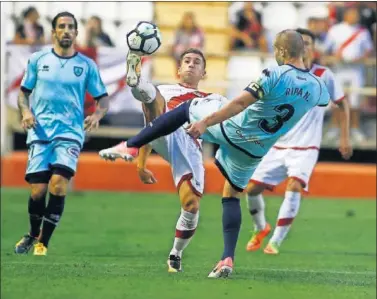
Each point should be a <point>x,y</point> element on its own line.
<point>28,120</point>
<point>196,129</point>
<point>345,149</point>
<point>91,122</point>
<point>146,176</point>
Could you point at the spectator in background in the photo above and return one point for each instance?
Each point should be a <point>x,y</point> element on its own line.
<point>367,12</point>
<point>247,31</point>
<point>336,10</point>
<point>350,44</point>
<point>30,32</point>
<point>188,35</point>
<point>318,23</point>
<point>95,36</point>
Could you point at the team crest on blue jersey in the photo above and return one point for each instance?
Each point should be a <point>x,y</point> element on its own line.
<point>78,70</point>
<point>73,151</point>
<point>266,72</point>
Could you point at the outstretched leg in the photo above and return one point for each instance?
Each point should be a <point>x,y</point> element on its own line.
<point>153,104</point>
<point>164,125</point>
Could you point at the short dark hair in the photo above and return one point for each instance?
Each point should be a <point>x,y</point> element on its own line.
<point>194,51</point>
<point>99,20</point>
<point>307,32</point>
<point>28,11</point>
<point>63,14</point>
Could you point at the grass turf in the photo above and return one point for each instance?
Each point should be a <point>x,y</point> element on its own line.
<point>115,245</point>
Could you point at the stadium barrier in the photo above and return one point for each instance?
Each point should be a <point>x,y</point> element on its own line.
<point>335,180</point>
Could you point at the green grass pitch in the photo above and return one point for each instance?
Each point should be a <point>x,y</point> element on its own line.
<point>115,245</point>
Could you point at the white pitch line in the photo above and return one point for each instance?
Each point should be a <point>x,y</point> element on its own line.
<point>112,265</point>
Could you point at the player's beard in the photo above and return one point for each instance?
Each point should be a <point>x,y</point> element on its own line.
<point>65,43</point>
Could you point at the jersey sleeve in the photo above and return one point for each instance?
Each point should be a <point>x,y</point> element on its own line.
<point>31,73</point>
<point>95,85</point>
<point>334,87</point>
<point>264,84</point>
<point>324,97</point>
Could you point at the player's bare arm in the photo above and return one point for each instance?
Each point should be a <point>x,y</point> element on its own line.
<point>240,103</point>
<point>145,175</point>
<point>28,119</point>
<point>92,121</point>
<point>345,147</point>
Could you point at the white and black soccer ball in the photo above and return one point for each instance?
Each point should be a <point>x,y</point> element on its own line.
<point>145,39</point>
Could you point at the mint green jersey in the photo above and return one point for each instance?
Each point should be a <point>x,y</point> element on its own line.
<point>285,93</point>
<point>58,85</point>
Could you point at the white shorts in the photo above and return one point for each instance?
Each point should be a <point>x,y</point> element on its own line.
<point>185,157</point>
<point>278,164</point>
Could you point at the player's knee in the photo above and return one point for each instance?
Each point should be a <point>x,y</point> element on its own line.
<point>254,189</point>
<point>294,185</point>
<point>38,191</point>
<point>191,204</point>
<point>189,200</point>
<point>58,185</point>
<point>145,92</point>
<point>230,191</point>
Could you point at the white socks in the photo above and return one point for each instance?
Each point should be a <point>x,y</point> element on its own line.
<point>256,205</point>
<point>185,229</point>
<point>287,213</point>
<point>145,92</point>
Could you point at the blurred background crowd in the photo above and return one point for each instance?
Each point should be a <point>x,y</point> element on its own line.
<point>237,38</point>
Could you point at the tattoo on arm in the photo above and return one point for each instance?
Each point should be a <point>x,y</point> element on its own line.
<point>102,106</point>
<point>23,101</point>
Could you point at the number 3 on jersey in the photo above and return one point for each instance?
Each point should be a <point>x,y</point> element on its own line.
<point>285,112</point>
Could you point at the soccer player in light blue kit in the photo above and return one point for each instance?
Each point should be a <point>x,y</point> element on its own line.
<point>51,102</point>
<point>245,128</point>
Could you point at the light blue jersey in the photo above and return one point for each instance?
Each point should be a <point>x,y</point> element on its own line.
<point>57,102</point>
<point>284,95</point>
<point>58,86</point>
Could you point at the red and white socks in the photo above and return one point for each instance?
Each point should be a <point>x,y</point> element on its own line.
<point>185,229</point>
<point>287,214</point>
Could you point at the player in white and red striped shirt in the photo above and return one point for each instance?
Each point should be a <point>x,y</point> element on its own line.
<point>179,149</point>
<point>294,156</point>
<point>350,43</point>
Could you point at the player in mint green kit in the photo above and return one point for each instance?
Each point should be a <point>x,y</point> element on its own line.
<point>245,128</point>
<point>51,102</point>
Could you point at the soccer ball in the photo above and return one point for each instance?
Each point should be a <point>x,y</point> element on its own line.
<point>145,39</point>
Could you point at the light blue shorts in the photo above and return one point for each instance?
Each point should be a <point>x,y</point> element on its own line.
<point>236,165</point>
<point>44,157</point>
